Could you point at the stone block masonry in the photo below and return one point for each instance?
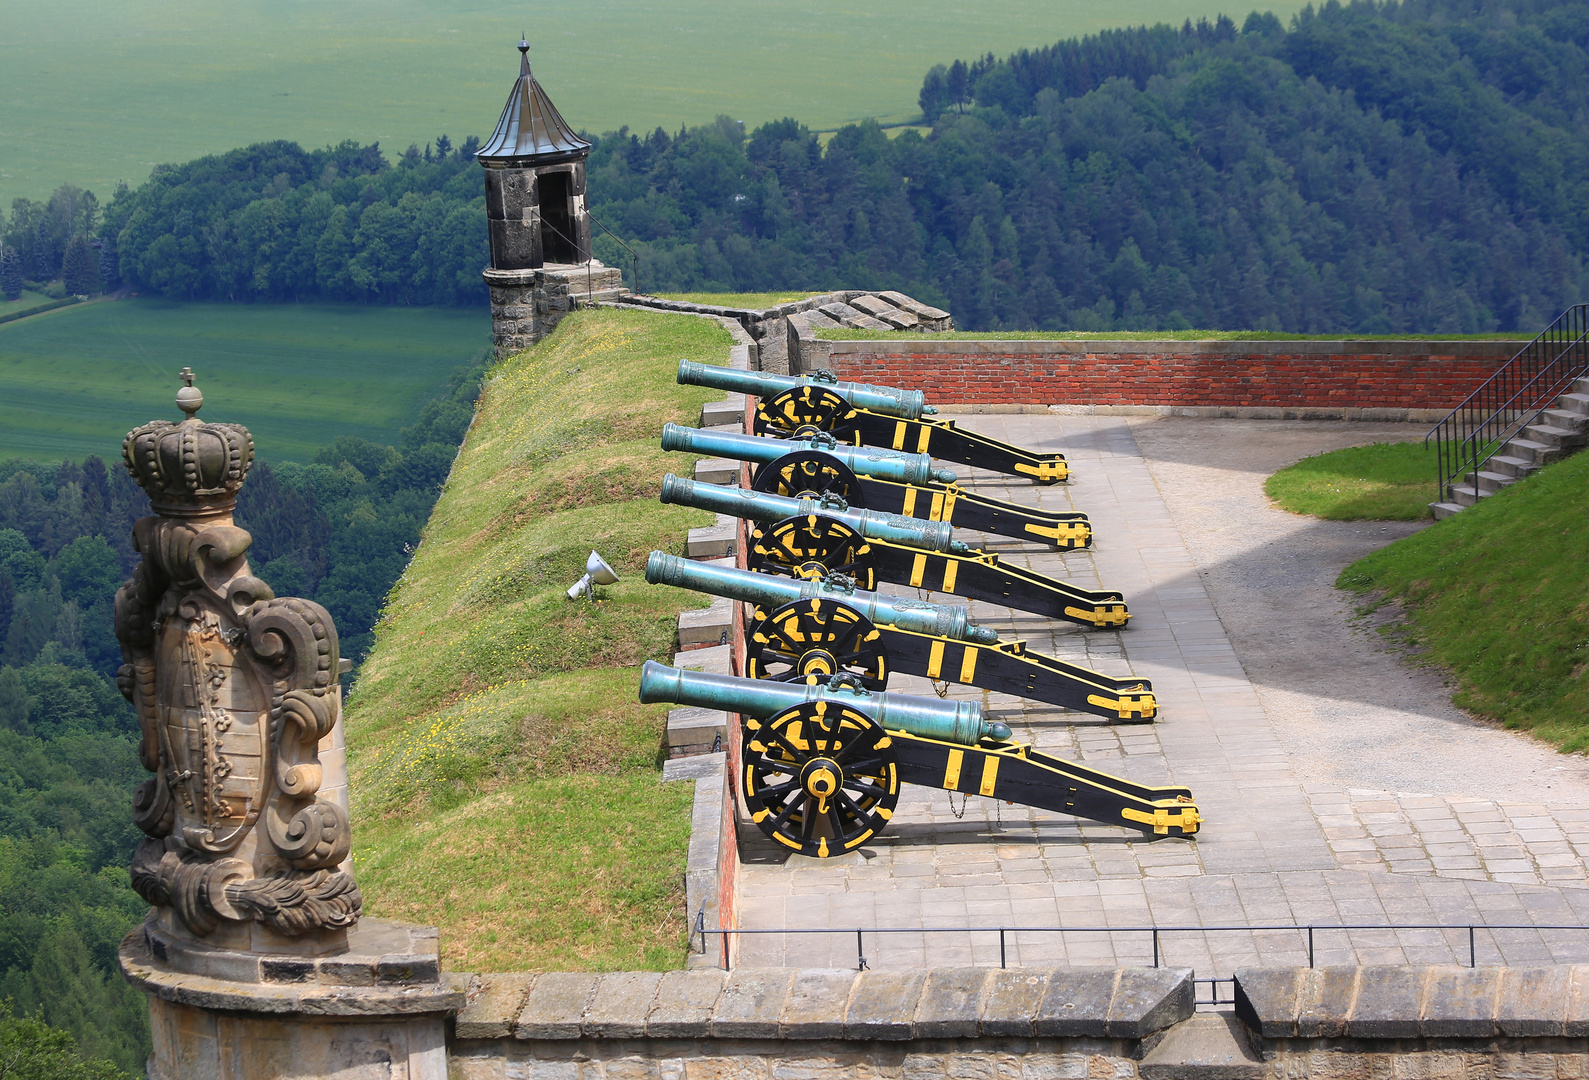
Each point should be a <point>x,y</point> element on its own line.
<point>1367,1023</point>
<point>1380,380</point>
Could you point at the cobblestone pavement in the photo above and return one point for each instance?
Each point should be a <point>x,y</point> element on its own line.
<point>1282,845</point>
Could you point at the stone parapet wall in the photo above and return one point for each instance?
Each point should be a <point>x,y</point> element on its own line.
<point>1380,380</point>
<point>1369,1023</point>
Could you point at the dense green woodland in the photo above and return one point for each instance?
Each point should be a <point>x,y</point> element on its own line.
<point>339,529</point>
<point>1417,167</point>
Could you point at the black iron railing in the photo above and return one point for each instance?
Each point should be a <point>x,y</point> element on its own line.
<point>1509,400</point>
<point>1154,934</point>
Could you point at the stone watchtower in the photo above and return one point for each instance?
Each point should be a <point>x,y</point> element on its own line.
<point>541,264</point>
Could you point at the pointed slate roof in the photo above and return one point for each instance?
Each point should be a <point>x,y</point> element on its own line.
<point>531,131</point>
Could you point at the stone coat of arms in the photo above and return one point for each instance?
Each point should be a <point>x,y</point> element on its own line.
<point>234,689</point>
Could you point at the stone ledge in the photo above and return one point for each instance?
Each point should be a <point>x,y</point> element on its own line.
<point>827,1004</point>
<point>1376,1003</point>
<point>448,994</point>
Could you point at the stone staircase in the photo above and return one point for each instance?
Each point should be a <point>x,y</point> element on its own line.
<point>1555,433</point>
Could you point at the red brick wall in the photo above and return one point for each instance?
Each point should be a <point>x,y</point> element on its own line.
<point>1426,380</point>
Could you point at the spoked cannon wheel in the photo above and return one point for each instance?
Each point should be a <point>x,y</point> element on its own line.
<point>812,546</point>
<point>808,474</point>
<point>819,777</point>
<point>800,411</point>
<point>810,640</point>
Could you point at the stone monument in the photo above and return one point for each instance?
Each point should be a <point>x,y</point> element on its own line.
<point>539,228</point>
<point>253,956</point>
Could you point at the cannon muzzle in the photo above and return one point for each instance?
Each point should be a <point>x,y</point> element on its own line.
<point>929,718</point>
<point>888,400</point>
<point>766,507</point>
<point>772,591</point>
<point>895,465</point>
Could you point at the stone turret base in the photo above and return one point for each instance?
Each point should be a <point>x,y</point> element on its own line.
<point>527,304</point>
<point>377,1011</point>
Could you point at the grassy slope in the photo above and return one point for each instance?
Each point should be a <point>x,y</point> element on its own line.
<point>92,92</point>
<point>1383,481</point>
<point>847,334</point>
<point>1499,595</point>
<point>505,778</point>
<point>73,381</point>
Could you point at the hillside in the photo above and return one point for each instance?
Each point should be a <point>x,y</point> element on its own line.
<point>506,780</point>
<point>96,93</point>
<point>1499,595</point>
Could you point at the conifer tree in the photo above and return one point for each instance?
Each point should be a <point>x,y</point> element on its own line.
<point>80,268</point>
<point>10,273</point>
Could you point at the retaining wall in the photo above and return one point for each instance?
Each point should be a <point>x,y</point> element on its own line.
<point>1353,1023</point>
<point>1367,380</point>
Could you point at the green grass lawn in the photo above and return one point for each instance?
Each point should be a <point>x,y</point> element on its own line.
<point>28,299</point>
<point>505,778</point>
<point>74,381</point>
<point>848,334</point>
<point>1499,596</point>
<point>93,92</point>
<point>1384,481</point>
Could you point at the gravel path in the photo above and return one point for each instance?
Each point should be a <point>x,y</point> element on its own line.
<point>1351,712</point>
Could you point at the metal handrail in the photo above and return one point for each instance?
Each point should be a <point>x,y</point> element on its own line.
<point>1004,931</point>
<point>633,258</point>
<point>1509,400</point>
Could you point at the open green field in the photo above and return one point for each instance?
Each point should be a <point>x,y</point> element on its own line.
<point>92,91</point>
<point>73,381</point>
<point>506,781</point>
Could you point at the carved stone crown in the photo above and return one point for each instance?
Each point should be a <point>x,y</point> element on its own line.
<point>190,467</point>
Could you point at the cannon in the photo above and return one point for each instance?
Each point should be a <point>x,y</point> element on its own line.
<point>895,465</point>
<point>870,478</point>
<point>792,406</point>
<point>821,763</point>
<point>808,630</point>
<point>815,537</point>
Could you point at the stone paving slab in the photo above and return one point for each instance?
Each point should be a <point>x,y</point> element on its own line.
<point>1274,849</point>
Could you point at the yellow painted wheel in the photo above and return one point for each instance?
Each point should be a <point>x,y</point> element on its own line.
<point>809,640</point>
<point>812,546</point>
<point>819,778</point>
<point>801,410</point>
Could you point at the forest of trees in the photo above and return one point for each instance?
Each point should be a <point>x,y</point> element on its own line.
<point>1371,168</point>
<point>339,529</point>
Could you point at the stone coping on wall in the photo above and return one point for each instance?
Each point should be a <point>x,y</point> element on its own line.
<point>1394,1002</point>
<point>821,1004</point>
<point>1212,347</point>
<point>362,982</point>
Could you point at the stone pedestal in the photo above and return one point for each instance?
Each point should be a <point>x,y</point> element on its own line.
<point>376,1011</point>
<point>527,304</point>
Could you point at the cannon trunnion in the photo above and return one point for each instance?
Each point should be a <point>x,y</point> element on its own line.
<point>821,763</point>
<point>793,406</point>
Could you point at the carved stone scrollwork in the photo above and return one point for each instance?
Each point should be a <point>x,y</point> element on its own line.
<point>234,689</point>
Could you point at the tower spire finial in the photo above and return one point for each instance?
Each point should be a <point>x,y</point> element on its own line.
<point>524,53</point>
